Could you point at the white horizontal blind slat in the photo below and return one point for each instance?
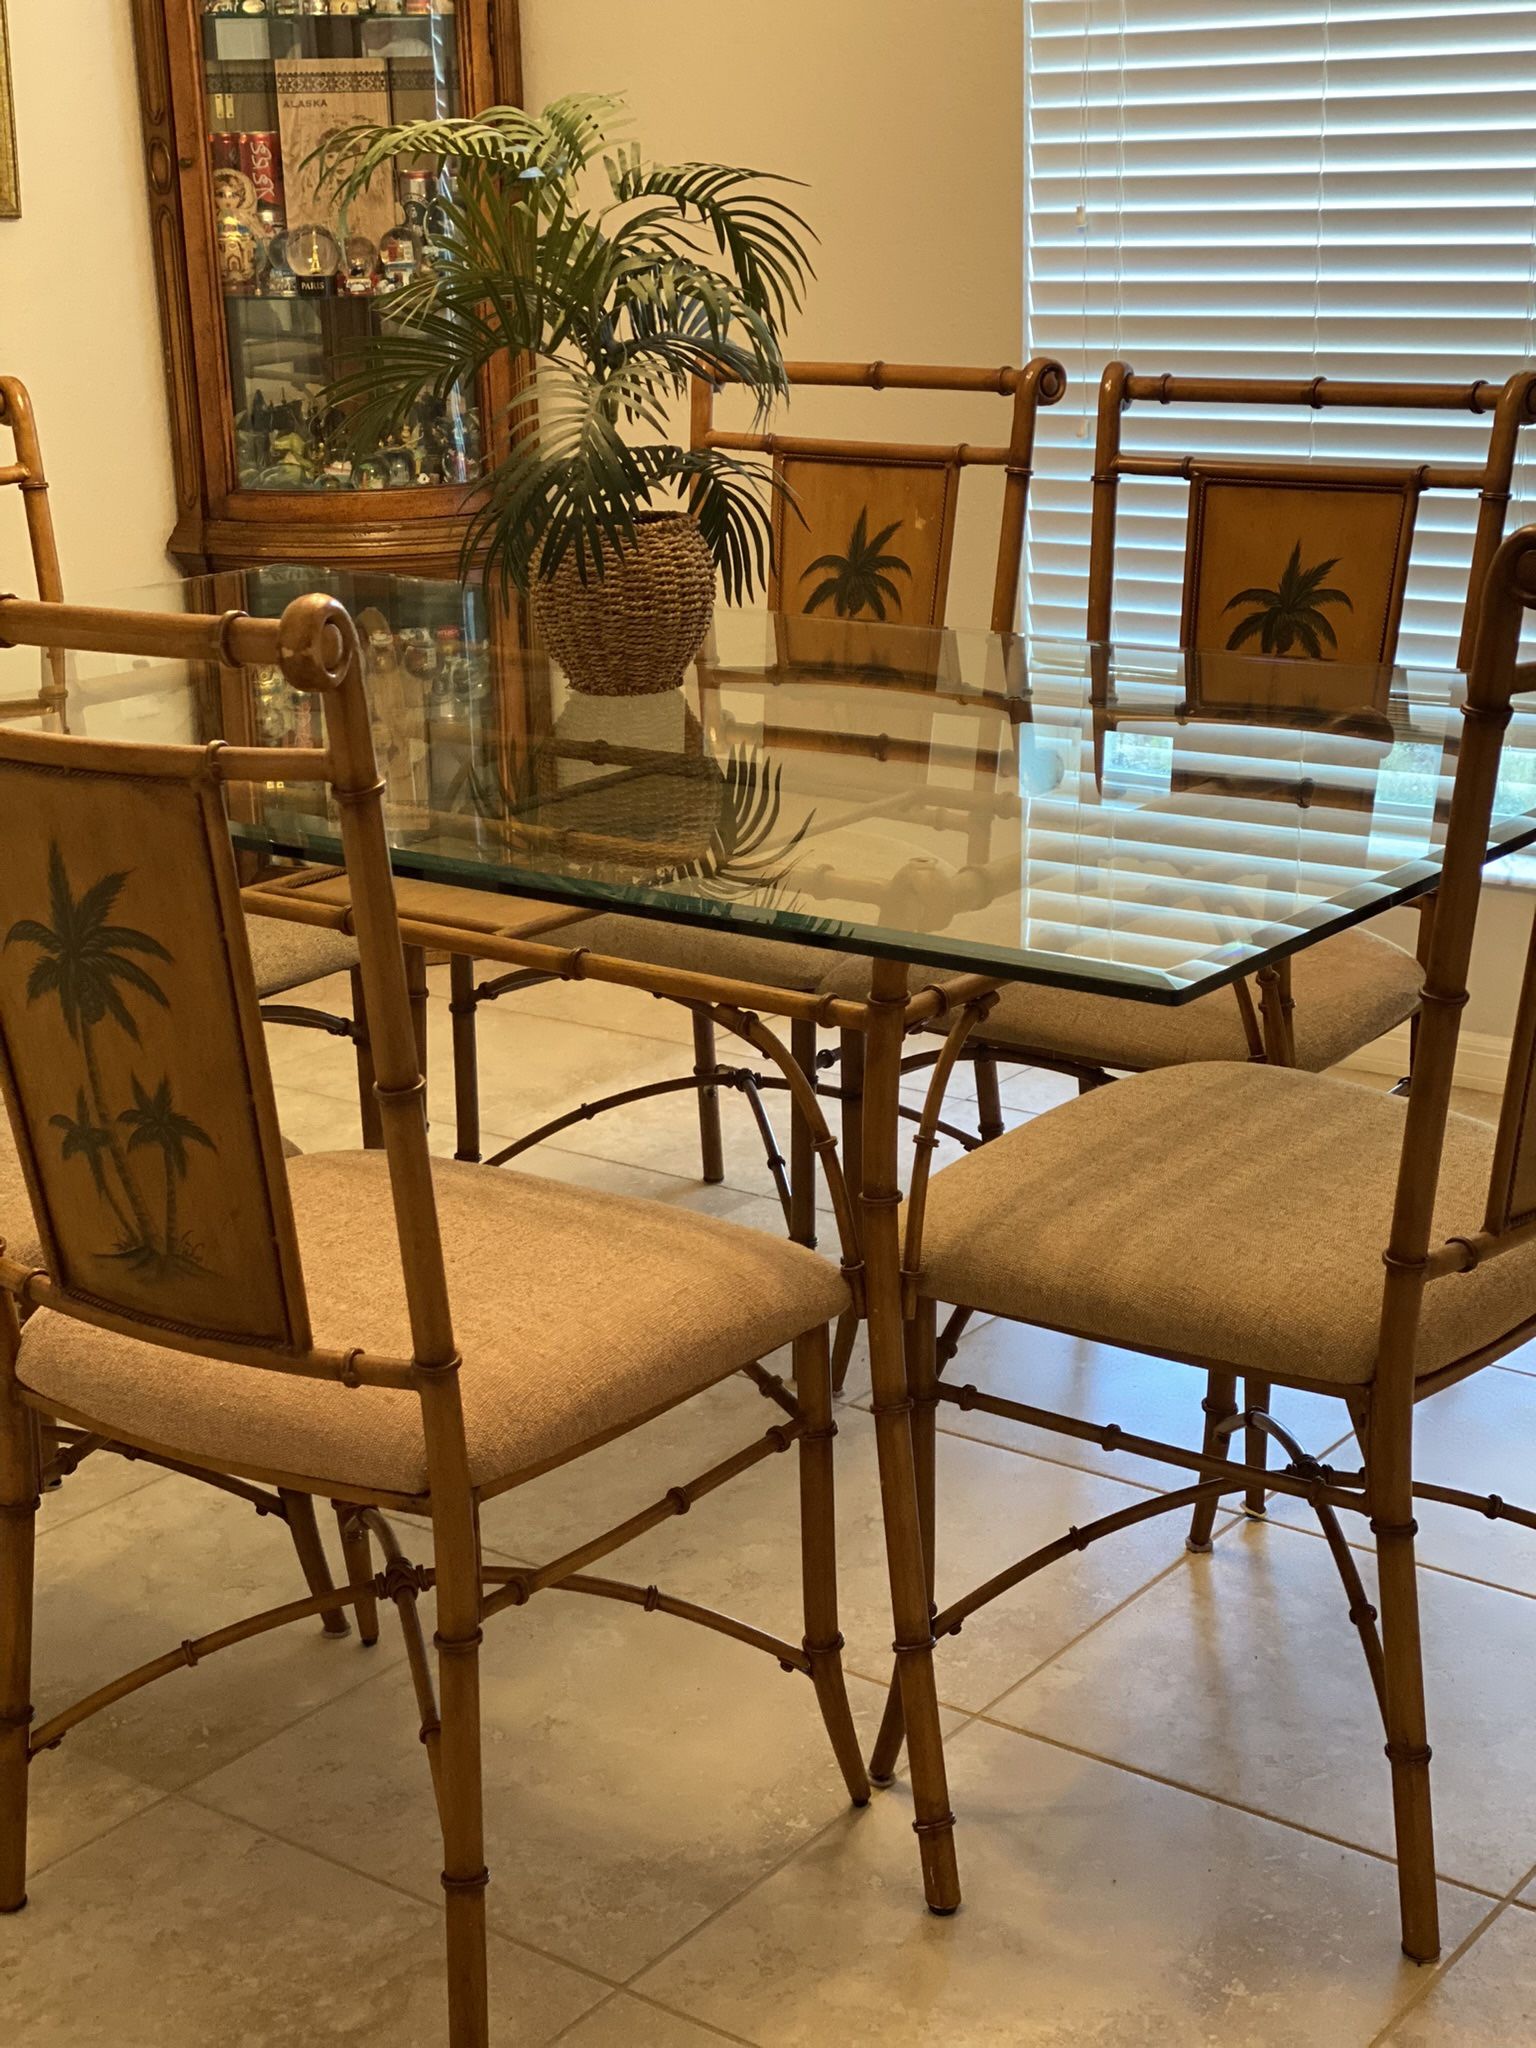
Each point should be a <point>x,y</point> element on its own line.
<point>1274,188</point>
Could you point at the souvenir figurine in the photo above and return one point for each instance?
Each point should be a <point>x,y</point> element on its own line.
<point>313,257</point>
<point>234,192</point>
<point>398,259</point>
<point>239,255</point>
<point>362,262</point>
<point>281,282</point>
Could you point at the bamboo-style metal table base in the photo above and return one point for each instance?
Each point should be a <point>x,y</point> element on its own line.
<point>869,1223</point>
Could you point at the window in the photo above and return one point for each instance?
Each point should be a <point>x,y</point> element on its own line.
<point>1274,188</point>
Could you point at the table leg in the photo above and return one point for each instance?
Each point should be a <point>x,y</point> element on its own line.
<point>880,1211</point>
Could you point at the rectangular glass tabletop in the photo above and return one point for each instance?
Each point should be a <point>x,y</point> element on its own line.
<point>1125,820</point>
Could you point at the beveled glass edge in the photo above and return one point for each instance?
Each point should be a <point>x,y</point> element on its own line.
<point>1413,879</point>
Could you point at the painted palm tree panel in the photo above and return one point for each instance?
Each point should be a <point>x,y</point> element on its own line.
<point>869,543</point>
<point>134,1084</point>
<point>1301,570</point>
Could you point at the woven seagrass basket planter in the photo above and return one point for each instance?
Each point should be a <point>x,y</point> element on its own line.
<point>632,631</point>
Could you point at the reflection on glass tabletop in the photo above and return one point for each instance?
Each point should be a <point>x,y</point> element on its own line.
<point>1125,819</point>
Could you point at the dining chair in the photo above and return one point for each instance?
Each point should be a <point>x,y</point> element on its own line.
<point>373,1328</point>
<point>284,956</point>
<point>1269,1223</point>
<point>1286,558</point>
<point>861,529</point>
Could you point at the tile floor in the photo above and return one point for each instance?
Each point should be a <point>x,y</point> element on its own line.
<point>1174,1814</point>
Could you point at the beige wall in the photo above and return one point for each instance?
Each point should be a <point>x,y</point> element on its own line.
<point>905,122</point>
<point>78,319</point>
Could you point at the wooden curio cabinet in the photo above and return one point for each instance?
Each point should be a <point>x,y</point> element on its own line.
<point>263,288</point>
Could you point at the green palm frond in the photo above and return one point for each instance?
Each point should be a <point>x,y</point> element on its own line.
<point>83,955</point>
<point>857,580</point>
<point>744,858</point>
<point>604,308</point>
<point>154,1120</point>
<point>1291,614</point>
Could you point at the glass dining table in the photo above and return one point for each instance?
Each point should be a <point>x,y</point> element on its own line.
<point>943,811</point>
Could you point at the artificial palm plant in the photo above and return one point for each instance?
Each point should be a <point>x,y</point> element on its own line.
<point>604,281</point>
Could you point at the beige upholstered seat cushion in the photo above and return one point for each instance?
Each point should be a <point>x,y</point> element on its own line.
<point>739,956</point>
<point>18,1231</point>
<point>577,1314</point>
<point>1230,1213</point>
<point>285,956</point>
<point>1347,990</point>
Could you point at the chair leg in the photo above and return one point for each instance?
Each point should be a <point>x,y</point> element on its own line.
<point>818,1558</point>
<point>706,1061</point>
<point>989,1099</point>
<point>416,984</point>
<point>305,1531</point>
<point>466,1056</point>
<point>357,1551</point>
<point>1389,1486</point>
<point>802,1153</point>
<point>1255,1444</point>
<point>18,1530</point>
<point>922,1340</point>
<point>461,1793</point>
<point>367,1100</point>
<point>1220,1405</point>
<point>850,1074</point>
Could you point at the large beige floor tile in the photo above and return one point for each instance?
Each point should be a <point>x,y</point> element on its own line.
<point>1487,1999</point>
<point>130,1581</point>
<point>637,1778</point>
<point>183,1929</point>
<point>73,1800</point>
<point>626,2022</point>
<point>1241,1676</point>
<point>1100,1383</point>
<point>738,1549</point>
<point>1100,1909</point>
<point>100,1480</point>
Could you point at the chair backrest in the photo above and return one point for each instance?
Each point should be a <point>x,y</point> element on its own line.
<point>25,472</point>
<point>131,1052</point>
<point>865,529</point>
<point>1508,591</point>
<point>1301,558</point>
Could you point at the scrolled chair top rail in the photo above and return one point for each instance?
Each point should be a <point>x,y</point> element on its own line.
<point>1495,674</point>
<point>317,642</point>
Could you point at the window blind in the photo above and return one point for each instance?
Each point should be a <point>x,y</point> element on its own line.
<point>1343,188</point>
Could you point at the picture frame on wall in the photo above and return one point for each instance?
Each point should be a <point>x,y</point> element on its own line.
<point>10,176</point>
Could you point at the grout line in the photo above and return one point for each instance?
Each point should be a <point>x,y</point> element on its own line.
<point>568,2033</point>
<point>1441,1970</point>
<point>79,1849</point>
<point>1423,1564</point>
<point>52,1528</point>
<point>1175,1565</point>
<point>390,1884</point>
<point>1296,1827</point>
<point>1044,1458</point>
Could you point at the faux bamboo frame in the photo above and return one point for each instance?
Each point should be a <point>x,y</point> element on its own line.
<point>316,646</point>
